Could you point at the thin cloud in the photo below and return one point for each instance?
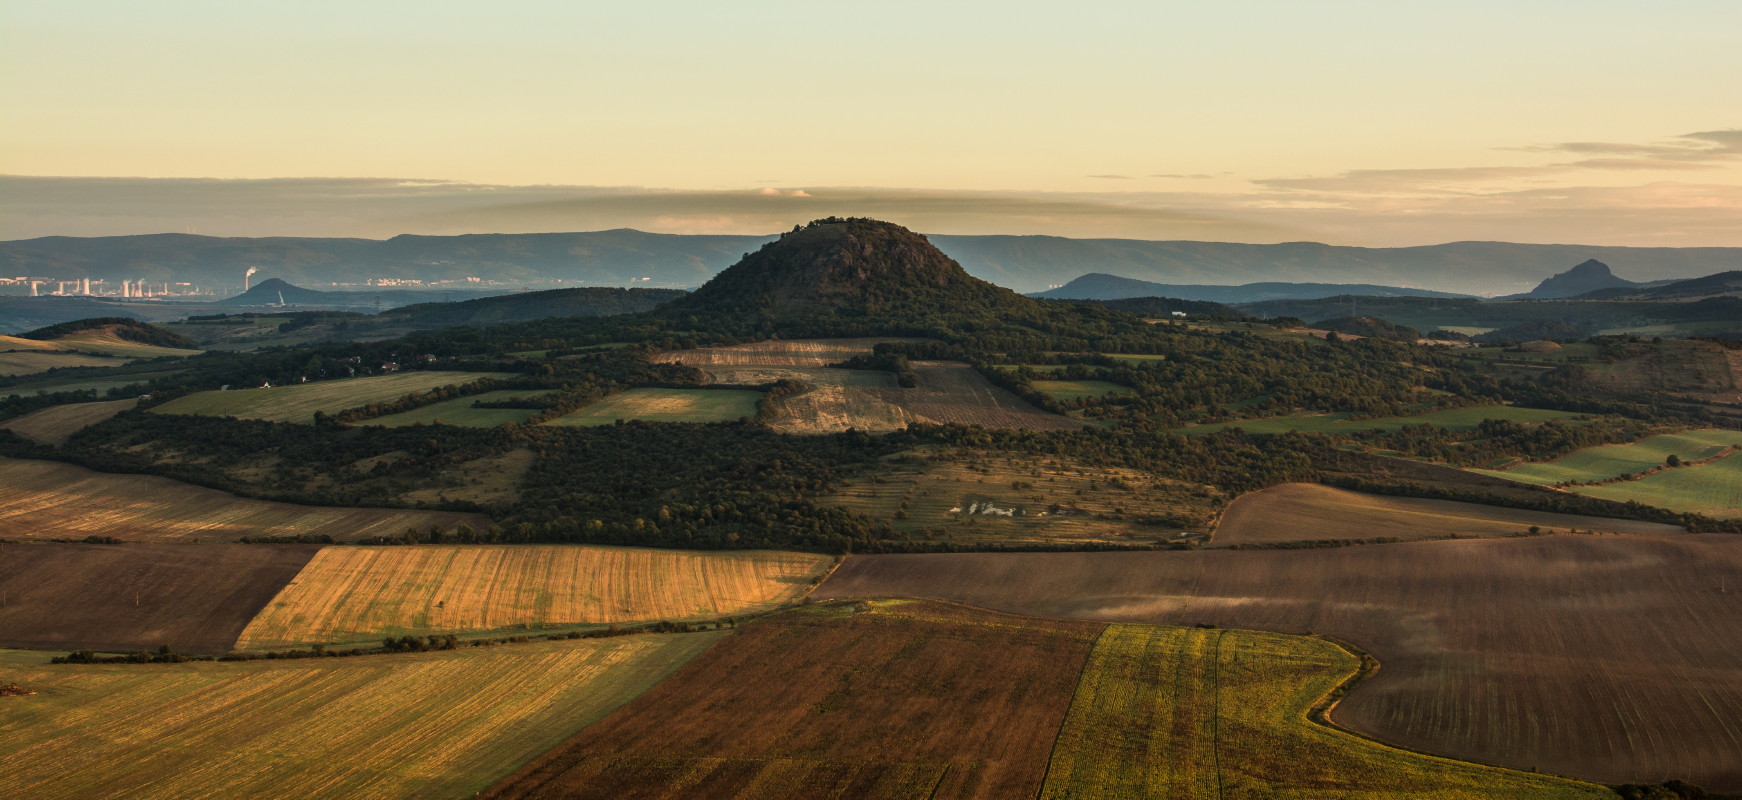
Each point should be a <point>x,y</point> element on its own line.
<point>1112,177</point>
<point>1198,176</point>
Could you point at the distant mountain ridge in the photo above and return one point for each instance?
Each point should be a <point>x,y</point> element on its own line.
<point>1100,286</point>
<point>1588,276</point>
<point>625,257</point>
<point>1723,284</point>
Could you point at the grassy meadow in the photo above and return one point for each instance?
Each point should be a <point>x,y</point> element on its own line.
<point>361,593</point>
<point>1456,419</point>
<point>1067,391</point>
<point>1184,712</point>
<point>1713,489</point>
<point>418,725</point>
<point>1612,460</point>
<point>459,411</point>
<point>299,403</point>
<point>666,405</point>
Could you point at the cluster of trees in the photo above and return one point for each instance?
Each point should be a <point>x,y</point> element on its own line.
<point>890,362</point>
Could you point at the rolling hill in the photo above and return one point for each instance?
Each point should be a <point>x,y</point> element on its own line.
<point>1101,286</point>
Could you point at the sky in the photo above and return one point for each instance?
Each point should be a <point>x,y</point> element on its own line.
<point>1368,123</point>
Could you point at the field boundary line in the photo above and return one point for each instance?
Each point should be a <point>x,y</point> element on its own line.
<point>1081,673</point>
<point>1216,710</point>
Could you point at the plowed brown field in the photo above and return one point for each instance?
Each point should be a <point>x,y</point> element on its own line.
<point>50,500</point>
<point>902,700</point>
<point>1610,658</point>
<point>195,598</point>
<point>1296,512</point>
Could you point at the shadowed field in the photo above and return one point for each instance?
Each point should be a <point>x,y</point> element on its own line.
<point>299,403</point>
<point>1295,512</point>
<point>666,405</point>
<point>1612,658</point>
<point>50,500</point>
<point>421,725</point>
<point>55,424</point>
<point>197,599</point>
<point>351,593</point>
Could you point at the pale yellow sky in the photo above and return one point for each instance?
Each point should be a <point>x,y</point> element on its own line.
<point>1356,122</point>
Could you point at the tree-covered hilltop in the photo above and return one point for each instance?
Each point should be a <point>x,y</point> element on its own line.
<point>123,327</point>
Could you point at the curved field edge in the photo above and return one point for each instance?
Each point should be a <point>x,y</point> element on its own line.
<point>1612,460</point>
<point>445,723</point>
<point>1237,713</point>
<point>347,594</point>
<point>50,500</point>
<point>1305,512</point>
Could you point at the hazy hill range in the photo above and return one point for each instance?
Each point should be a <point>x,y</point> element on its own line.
<point>1101,286</point>
<point>1720,285</point>
<point>1023,263</point>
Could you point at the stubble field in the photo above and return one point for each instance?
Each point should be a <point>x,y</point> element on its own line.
<point>666,405</point>
<point>1610,658</point>
<point>298,403</point>
<point>49,500</point>
<point>437,724</point>
<point>1298,512</point>
<point>55,424</point>
<point>354,593</point>
<point>1196,713</point>
<point>195,598</point>
<point>459,411</point>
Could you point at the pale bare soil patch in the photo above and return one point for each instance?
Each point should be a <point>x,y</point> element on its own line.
<point>49,500</point>
<point>352,593</point>
<point>1296,512</point>
<point>55,424</point>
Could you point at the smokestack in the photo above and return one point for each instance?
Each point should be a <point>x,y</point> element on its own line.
<point>246,276</point>
<point>85,286</point>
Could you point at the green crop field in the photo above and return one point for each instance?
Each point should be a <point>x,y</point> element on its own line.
<point>300,402</point>
<point>459,411</point>
<point>1183,712</point>
<point>1456,419</point>
<point>1713,489</point>
<point>1611,460</point>
<point>437,724</point>
<point>667,405</point>
<point>1067,391</point>
<point>30,362</point>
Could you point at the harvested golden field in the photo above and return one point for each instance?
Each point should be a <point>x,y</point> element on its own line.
<point>1301,512</point>
<point>103,341</point>
<point>354,593</point>
<point>1184,712</point>
<point>1608,658</point>
<point>55,424</point>
<point>195,598</point>
<point>666,405</point>
<point>877,700</point>
<point>423,725</point>
<point>978,497</point>
<point>49,500</point>
<point>299,403</point>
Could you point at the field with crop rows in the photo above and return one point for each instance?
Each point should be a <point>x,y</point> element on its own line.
<point>775,353</point>
<point>875,700</point>
<point>51,500</point>
<point>298,403</point>
<point>1609,658</point>
<point>55,424</point>
<point>353,593</point>
<point>963,496</point>
<point>1295,512</point>
<point>1612,460</point>
<point>438,724</point>
<point>1457,419</point>
<point>459,411</point>
<point>196,599</point>
<point>666,405</point>
<point>1184,712</point>
<point>1713,489</point>
<point>1066,391</point>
